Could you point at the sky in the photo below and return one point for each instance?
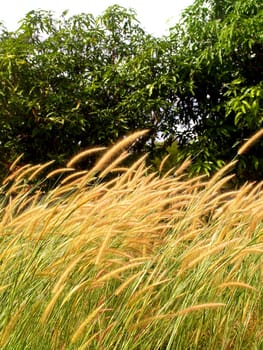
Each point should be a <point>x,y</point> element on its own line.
<point>155,16</point>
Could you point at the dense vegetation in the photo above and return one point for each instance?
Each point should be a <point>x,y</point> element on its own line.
<point>100,251</point>
<point>137,262</point>
<point>74,82</point>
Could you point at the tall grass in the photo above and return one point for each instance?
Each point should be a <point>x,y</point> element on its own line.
<point>132,261</point>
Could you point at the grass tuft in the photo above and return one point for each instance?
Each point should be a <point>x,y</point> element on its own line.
<point>131,261</point>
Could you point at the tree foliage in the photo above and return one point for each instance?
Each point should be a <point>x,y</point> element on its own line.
<point>74,82</point>
<point>221,43</point>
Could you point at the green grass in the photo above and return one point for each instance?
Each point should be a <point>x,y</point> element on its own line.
<point>134,262</point>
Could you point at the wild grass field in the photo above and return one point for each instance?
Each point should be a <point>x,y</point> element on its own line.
<point>135,261</point>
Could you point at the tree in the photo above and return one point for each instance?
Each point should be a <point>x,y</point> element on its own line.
<point>75,82</point>
<point>218,48</point>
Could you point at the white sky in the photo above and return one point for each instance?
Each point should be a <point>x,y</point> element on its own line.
<point>155,16</point>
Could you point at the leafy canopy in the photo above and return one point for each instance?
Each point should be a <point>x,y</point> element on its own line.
<point>74,82</point>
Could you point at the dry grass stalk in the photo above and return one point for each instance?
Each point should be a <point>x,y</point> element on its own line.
<point>59,171</point>
<point>124,155</point>
<point>238,284</point>
<point>250,142</point>
<point>7,330</point>
<point>82,155</point>
<point>163,162</point>
<point>38,170</point>
<point>27,171</point>
<point>222,172</point>
<point>120,146</point>
<point>200,258</point>
<point>205,306</point>
<point>16,173</point>
<point>115,273</point>
<point>183,167</point>
<point>17,160</point>
<point>125,284</point>
<point>58,288</point>
<point>75,176</point>
<point>103,247</point>
<point>81,327</point>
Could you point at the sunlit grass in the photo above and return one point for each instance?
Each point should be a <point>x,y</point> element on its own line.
<point>132,261</point>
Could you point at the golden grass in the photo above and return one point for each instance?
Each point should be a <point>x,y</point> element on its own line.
<point>79,157</point>
<point>136,261</point>
<point>244,148</point>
